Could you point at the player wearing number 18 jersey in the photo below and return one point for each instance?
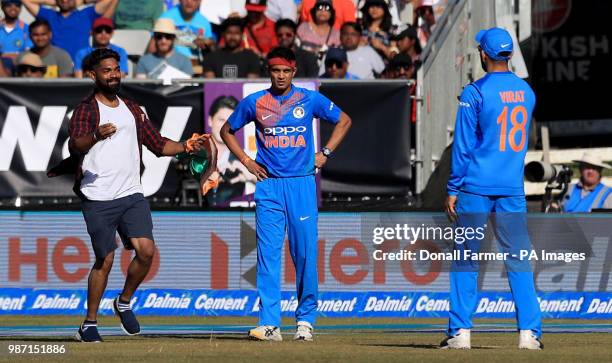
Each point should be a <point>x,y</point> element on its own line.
<point>488,157</point>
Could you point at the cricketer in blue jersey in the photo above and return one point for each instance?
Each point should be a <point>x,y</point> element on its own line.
<point>285,194</point>
<point>487,168</point>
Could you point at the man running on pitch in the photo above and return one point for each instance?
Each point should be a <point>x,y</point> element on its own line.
<point>108,132</point>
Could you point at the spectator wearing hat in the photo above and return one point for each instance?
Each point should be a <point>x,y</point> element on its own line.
<point>318,34</point>
<point>336,65</point>
<point>232,61</point>
<point>138,14</point>
<point>260,36</point>
<point>152,64</point>
<point>281,9</point>
<point>101,34</point>
<point>408,43</point>
<point>589,193</point>
<point>31,66</point>
<point>307,66</point>
<point>345,11</point>
<point>400,67</point>
<point>14,33</point>
<point>378,27</point>
<point>57,60</point>
<point>193,31</point>
<point>364,61</point>
<point>68,23</point>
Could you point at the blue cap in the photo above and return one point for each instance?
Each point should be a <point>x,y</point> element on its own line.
<point>495,41</point>
<point>337,54</point>
<point>5,2</point>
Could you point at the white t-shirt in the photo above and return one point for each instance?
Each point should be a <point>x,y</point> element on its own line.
<point>111,168</point>
<point>364,62</point>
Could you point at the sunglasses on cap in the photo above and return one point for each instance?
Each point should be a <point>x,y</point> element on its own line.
<point>25,68</point>
<point>106,29</point>
<point>324,7</point>
<point>160,36</point>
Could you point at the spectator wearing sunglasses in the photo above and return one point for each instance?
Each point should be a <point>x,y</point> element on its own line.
<point>401,67</point>
<point>152,64</point>
<point>318,35</point>
<point>68,22</point>
<point>101,34</point>
<point>345,11</point>
<point>286,33</point>
<point>31,66</point>
<point>336,65</point>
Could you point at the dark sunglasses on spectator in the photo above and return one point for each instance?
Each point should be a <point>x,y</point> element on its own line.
<point>405,67</point>
<point>330,63</point>
<point>324,7</point>
<point>24,68</point>
<point>106,29</point>
<point>160,36</point>
<point>285,35</point>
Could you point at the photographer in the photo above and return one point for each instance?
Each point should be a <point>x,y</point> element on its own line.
<point>589,193</point>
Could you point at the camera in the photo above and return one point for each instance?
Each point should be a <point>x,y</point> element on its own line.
<point>539,171</point>
<point>556,176</point>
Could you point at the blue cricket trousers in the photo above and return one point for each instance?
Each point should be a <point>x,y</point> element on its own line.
<point>510,227</point>
<point>286,204</point>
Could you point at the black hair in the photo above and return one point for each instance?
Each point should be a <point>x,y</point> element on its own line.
<point>387,22</point>
<point>232,22</point>
<point>39,22</point>
<point>332,18</point>
<point>353,25</point>
<point>222,102</point>
<point>281,52</point>
<point>96,56</point>
<point>285,23</point>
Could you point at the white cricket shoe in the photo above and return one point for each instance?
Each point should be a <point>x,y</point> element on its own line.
<point>303,331</point>
<point>266,332</point>
<point>528,340</point>
<point>461,340</point>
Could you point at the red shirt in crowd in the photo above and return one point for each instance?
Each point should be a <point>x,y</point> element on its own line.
<point>345,11</point>
<point>264,34</point>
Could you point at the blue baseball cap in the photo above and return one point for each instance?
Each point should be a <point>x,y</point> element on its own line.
<point>494,42</point>
<point>16,2</point>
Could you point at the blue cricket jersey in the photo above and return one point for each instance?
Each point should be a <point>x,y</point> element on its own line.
<point>285,143</point>
<point>491,133</point>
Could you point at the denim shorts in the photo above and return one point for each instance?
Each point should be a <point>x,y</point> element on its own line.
<point>130,216</point>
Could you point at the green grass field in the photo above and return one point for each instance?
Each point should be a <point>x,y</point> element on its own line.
<point>342,345</point>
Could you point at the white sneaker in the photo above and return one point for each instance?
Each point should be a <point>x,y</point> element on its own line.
<point>266,332</point>
<point>461,340</point>
<point>303,331</point>
<point>528,340</point>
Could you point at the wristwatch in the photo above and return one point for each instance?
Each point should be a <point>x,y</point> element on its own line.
<point>326,151</point>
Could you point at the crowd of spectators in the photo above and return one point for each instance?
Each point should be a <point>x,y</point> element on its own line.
<point>342,39</point>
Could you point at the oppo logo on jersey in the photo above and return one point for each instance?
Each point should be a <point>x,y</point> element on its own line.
<point>284,130</point>
<point>273,140</point>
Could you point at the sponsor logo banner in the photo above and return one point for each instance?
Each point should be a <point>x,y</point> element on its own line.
<point>52,250</point>
<point>199,302</point>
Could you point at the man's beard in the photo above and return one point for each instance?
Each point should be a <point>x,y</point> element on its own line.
<point>483,64</point>
<point>109,89</point>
